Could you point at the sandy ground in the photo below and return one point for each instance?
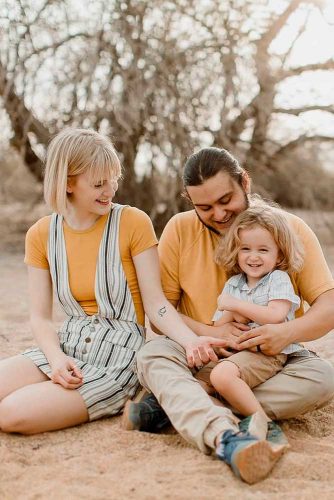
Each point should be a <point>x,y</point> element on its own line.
<point>101,461</point>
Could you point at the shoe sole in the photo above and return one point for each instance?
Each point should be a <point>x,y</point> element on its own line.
<point>126,422</point>
<point>256,461</point>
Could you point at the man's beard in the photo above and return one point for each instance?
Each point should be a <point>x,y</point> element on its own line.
<point>210,228</point>
<point>213,229</point>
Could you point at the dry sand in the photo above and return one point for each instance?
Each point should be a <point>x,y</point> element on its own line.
<point>101,461</point>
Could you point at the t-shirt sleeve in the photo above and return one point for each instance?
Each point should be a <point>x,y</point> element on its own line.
<point>217,315</point>
<point>140,230</point>
<point>169,255</point>
<point>281,288</point>
<point>315,277</point>
<point>36,245</point>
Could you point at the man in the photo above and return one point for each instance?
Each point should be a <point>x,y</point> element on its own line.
<point>219,189</point>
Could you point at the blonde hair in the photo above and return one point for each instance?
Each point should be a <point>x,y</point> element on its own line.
<point>273,220</point>
<point>72,152</point>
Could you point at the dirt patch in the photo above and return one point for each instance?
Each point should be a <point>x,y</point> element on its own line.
<point>100,461</point>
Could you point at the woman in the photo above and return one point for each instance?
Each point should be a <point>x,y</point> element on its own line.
<point>101,260</point>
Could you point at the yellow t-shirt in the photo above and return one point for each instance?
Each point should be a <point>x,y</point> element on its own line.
<point>192,280</point>
<point>136,234</point>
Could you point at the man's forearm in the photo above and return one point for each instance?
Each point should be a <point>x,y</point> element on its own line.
<point>199,328</point>
<point>316,322</point>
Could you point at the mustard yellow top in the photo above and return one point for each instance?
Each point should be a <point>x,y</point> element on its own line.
<point>192,280</point>
<point>136,234</point>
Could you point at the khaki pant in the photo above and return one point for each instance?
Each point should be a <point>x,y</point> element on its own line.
<point>256,367</point>
<point>305,383</point>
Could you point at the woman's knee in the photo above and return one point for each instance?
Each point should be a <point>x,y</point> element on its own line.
<point>12,418</point>
<point>16,372</point>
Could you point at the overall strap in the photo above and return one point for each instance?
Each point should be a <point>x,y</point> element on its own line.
<point>57,258</point>
<point>111,288</point>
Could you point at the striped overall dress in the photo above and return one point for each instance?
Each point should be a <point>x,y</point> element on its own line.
<point>103,345</point>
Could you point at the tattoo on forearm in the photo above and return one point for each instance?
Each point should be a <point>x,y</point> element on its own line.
<point>162,311</point>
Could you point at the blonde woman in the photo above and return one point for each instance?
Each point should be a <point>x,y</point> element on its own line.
<point>258,253</point>
<point>100,259</point>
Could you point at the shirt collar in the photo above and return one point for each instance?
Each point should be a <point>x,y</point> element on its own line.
<point>242,282</point>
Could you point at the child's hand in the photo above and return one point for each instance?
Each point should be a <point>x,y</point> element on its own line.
<point>200,351</point>
<point>239,318</point>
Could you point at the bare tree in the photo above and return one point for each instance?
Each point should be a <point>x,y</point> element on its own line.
<point>160,77</point>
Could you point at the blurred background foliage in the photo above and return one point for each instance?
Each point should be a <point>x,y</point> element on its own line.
<point>163,79</point>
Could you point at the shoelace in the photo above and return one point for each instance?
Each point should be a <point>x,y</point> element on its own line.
<point>274,430</point>
<point>243,424</point>
<point>230,437</point>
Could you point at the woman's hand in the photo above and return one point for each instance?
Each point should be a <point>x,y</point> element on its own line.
<point>65,372</point>
<point>200,351</point>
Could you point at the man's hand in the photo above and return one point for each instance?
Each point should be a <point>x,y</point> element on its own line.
<point>272,339</point>
<point>200,351</point>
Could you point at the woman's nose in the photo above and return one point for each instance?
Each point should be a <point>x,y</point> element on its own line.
<point>111,188</point>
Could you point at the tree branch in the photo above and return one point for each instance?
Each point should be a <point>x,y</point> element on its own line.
<point>278,24</point>
<point>54,46</point>
<point>287,73</point>
<point>304,109</point>
<point>290,146</point>
<point>23,121</point>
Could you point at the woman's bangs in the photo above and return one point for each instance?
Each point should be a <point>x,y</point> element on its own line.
<point>104,167</point>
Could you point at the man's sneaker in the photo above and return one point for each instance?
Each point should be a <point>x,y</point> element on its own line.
<point>145,416</point>
<point>250,459</point>
<point>256,425</point>
<point>276,437</point>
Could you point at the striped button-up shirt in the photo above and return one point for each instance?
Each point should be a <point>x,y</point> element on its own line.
<point>273,286</point>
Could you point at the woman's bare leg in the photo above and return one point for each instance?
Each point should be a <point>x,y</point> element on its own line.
<point>42,407</point>
<point>16,372</point>
<point>31,403</point>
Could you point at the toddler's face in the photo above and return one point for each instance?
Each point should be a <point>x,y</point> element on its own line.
<point>258,254</point>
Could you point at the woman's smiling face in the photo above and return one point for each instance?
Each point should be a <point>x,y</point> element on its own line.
<point>91,198</point>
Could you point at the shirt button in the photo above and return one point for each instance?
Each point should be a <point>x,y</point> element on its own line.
<point>92,328</point>
<point>96,321</point>
<point>84,351</point>
<point>88,339</point>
